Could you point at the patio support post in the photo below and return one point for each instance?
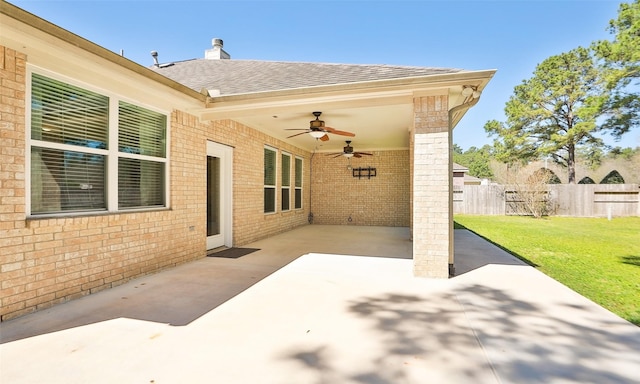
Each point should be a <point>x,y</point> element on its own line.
<point>431,185</point>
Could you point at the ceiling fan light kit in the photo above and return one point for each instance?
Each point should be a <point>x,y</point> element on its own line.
<point>318,130</point>
<point>348,152</point>
<point>317,134</point>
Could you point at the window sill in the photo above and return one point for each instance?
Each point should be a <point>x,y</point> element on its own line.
<point>74,215</point>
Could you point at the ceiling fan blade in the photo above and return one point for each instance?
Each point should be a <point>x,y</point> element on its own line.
<point>364,153</point>
<point>356,155</point>
<point>337,132</point>
<point>336,155</point>
<point>297,134</point>
<point>324,138</point>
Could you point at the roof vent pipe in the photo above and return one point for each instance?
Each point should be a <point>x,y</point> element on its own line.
<point>154,54</point>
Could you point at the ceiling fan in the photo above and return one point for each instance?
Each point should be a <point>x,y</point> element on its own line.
<point>318,130</point>
<point>348,152</point>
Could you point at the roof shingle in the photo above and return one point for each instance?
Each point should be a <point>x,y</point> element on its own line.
<point>250,76</point>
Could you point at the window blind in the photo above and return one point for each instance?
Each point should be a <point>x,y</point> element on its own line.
<point>140,183</point>
<point>297,199</point>
<point>269,180</point>
<point>66,181</point>
<point>269,167</point>
<point>140,130</point>
<point>285,193</point>
<point>286,170</point>
<point>64,113</point>
<point>298,172</point>
<point>69,151</point>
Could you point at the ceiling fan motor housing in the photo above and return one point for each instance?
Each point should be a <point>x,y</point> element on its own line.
<point>316,124</point>
<point>348,148</point>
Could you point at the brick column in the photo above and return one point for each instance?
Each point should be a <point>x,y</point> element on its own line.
<point>432,219</point>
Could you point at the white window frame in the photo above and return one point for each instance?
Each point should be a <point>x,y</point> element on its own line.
<point>112,153</point>
<point>275,183</point>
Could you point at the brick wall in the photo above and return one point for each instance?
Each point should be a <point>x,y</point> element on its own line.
<point>12,225</point>
<point>250,223</point>
<point>48,261</point>
<point>338,198</point>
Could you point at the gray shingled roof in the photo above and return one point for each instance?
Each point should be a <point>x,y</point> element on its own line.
<point>249,76</point>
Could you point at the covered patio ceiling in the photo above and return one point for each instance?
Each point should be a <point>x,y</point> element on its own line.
<point>379,113</point>
<point>375,128</point>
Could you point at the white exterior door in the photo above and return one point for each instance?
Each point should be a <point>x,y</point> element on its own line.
<point>219,195</point>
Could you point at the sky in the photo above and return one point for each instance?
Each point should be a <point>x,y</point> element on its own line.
<point>512,37</point>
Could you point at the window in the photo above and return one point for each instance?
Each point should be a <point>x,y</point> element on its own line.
<point>298,186</point>
<point>75,141</point>
<point>141,149</point>
<point>269,180</point>
<point>286,182</point>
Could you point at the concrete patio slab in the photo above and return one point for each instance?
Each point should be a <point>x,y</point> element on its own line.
<point>328,316</point>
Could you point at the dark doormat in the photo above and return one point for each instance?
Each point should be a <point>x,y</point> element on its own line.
<point>232,253</point>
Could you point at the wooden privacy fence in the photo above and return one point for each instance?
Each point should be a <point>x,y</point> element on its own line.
<point>580,200</point>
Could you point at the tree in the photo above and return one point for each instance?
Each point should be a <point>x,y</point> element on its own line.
<point>620,59</point>
<point>552,113</point>
<point>477,160</point>
<point>590,156</point>
<point>586,180</point>
<point>624,153</point>
<point>613,177</point>
<point>545,175</point>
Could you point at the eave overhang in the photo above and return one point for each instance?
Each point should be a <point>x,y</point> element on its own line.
<point>347,95</point>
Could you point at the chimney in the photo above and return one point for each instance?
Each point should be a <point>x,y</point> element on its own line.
<point>216,53</point>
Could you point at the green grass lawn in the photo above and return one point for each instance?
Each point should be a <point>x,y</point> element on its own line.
<point>598,258</point>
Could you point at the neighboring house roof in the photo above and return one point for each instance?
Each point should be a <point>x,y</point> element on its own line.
<point>459,168</point>
<point>468,179</point>
<point>229,77</point>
